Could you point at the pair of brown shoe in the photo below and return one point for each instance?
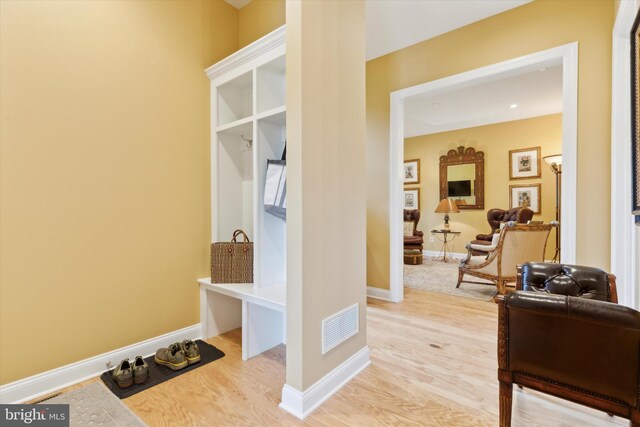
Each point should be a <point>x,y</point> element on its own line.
<point>178,355</point>
<point>127,373</point>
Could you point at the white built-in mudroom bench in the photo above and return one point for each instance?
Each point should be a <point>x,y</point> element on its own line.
<point>248,127</point>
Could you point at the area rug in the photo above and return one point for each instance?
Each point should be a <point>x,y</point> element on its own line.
<point>159,374</point>
<point>95,405</point>
<point>440,277</point>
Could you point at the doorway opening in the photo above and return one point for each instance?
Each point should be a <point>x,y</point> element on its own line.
<point>564,60</point>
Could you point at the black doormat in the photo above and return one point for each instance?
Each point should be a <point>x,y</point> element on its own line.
<point>159,373</point>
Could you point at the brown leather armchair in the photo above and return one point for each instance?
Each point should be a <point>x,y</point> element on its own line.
<point>579,347</point>
<point>416,241</point>
<point>495,217</point>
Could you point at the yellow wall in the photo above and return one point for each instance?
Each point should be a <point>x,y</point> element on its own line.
<point>258,18</point>
<point>104,173</point>
<point>536,26</point>
<point>495,141</point>
<point>326,204</point>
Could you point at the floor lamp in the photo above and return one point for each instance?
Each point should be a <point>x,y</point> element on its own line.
<point>555,161</point>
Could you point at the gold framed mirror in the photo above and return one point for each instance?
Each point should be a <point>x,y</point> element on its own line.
<point>462,177</point>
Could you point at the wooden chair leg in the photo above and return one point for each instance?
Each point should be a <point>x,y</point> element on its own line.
<point>460,276</point>
<point>506,400</point>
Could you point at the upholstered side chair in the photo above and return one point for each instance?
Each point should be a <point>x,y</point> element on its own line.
<point>518,243</point>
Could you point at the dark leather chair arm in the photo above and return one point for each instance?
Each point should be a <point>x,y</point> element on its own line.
<point>581,343</point>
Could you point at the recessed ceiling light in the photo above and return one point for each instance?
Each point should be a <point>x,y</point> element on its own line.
<point>513,106</point>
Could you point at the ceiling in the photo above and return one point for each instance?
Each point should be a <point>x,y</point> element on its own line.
<point>396,24</point>
<point>536,92</point>
<point>238,4</point>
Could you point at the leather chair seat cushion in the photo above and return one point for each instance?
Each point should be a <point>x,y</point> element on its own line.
<point>413,240</point>
<point>563,279</point>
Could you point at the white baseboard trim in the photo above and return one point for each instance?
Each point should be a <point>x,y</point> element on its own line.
<point>378,293</point>
<point>303,403</point>
<point>48,382</point>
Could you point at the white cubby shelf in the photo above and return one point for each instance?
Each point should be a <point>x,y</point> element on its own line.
<point>248,127</point>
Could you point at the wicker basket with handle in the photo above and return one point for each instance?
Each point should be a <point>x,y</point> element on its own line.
<point>232,262</point>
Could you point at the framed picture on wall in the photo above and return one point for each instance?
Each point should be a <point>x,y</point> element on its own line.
<point>525,196</point>
<point>412,171</point>
<point>635,117</point>
<point>412,198</point>
<point>524,163</point>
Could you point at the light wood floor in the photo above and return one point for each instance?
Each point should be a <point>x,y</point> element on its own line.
<point>433,364</point>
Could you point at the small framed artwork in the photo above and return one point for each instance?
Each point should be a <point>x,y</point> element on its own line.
<point>524,163</point>
<point>412,198</point>
<point>412,171</point>
<point>525,196</point>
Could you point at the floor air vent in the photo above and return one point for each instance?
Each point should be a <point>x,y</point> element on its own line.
<point>340,327</point>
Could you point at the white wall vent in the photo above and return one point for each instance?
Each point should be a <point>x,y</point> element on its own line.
<point>339,327</point>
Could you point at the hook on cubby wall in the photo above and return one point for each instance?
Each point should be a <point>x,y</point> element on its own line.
<point>248,143</point>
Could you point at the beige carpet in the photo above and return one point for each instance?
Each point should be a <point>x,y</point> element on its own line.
<point>436,276</point>
<point>95,405</point>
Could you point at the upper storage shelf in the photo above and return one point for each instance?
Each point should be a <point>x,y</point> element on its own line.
<point>270,80</point>
<point>235,99</point>
<point>249,84</point>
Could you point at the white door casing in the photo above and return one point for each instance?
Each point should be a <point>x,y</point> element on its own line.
<point>568,55</point>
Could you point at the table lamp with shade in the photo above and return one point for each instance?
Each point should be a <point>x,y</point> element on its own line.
<point>555,161</point>
<point>447,206</point>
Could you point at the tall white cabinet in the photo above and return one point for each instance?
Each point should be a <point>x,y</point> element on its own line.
<point>248,127</point>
